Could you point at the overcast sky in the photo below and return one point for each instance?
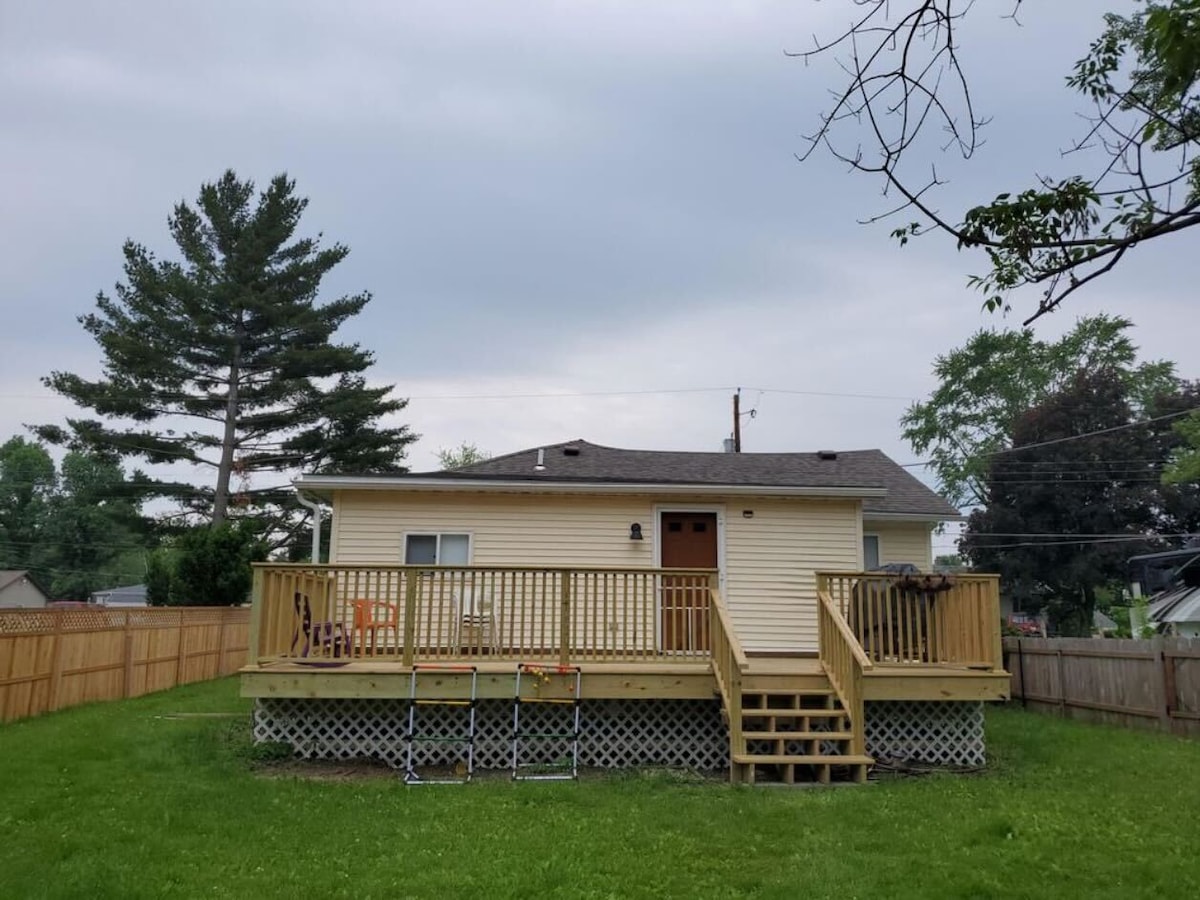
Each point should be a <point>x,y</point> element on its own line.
<point>593,200</point>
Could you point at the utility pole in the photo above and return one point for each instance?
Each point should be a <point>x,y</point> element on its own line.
<point>737,421</point>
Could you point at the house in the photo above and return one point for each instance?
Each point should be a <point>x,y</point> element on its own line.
<point>717,605</point>
<point>1103,625</point>
<point>1176,610</point>
<point>19,590</point>
<point>133,595</point>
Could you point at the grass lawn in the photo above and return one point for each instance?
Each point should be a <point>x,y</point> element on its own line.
<point>111,800</point>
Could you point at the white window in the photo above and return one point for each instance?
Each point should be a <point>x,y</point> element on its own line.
<point>437,549</point>
<point>870,552</point>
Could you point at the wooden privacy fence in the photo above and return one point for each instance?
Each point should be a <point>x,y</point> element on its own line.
<point>1133,683</point>
<point>55,658</point>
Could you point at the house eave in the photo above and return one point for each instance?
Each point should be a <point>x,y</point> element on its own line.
<point>324,485</point>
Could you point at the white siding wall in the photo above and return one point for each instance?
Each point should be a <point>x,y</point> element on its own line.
<point>903,542</point>
<point>770,558</point>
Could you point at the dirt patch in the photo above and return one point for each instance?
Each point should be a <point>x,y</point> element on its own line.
<point>371,769</point>
<point>327,770</point>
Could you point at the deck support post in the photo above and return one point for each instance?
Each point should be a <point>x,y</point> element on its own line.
<point>564,621</point>
<point>254,654</point>
<point>411,580</point>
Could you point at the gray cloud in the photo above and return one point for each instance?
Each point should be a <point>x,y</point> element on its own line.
<point>544,198</point>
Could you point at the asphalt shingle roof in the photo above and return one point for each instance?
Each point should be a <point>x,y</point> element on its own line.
<point>596,464</point>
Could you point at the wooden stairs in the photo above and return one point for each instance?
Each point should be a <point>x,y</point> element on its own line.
<point>795,730</point>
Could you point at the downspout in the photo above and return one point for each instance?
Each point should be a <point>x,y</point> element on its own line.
<point>316,525</point>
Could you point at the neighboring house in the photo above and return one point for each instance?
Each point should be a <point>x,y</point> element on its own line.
<point>1176,610</point>
<point>19,590</point>
<point>1102,624</point>
<point>566,553</point>
<point>131,596</point>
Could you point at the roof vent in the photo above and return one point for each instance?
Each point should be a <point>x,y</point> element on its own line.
<point>572,450</point>
<point>541,461</point>
<point>827,454</point>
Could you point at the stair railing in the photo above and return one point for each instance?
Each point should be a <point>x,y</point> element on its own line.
<point>844,662</point>
<point>728,663</point>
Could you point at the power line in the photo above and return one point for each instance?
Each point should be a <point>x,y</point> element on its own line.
<point>1140,538</point>
<point>534,395</point>
<point>1063,440</point>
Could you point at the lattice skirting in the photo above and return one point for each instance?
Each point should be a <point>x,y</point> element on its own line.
<point>939,733</point>
<point>613,733</point>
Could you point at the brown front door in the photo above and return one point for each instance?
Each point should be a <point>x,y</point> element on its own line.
<point>688,541</point>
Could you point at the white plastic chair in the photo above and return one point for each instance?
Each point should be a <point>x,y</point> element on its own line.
<point>473,615</point>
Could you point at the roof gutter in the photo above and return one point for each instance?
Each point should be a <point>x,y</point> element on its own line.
<point>323,484</point>
<point>873,516</point>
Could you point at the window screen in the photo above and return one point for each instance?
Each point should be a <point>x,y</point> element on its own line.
<point>421,550</point>
<point>455,550</point>
<point>870,551</point>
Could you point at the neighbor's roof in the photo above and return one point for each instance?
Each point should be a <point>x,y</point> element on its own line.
<point>887,488</point>
<point>1179,604</point>
<point>10,577</point>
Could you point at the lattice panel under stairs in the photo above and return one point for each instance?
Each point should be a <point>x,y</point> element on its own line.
<point>938,733</point>
<point>614,734</point>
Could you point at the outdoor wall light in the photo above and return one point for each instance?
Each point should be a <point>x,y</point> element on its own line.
<point>635,532</point>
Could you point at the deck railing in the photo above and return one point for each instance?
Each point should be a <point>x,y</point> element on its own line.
<point>949,620</point>
<point>728,664</point>
<point>844,662</point>
<point>428,613</point>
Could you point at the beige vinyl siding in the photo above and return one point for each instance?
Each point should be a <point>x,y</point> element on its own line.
<point>771,561</point>
<point>769,558</point>
<point>903,542</point>
<point>505,529</point>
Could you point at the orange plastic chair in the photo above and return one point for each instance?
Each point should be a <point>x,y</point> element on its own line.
<point>371,617</point>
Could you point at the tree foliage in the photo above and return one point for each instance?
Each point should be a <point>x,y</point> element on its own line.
<point>908,99</point>
<point>465,454</point>
<point>1057,511</point>
<point>79,527</point>
<point>1185,463</point>
<point>212,567</point>
<point>225,359</point>
<point>987,384</point>
<point>27,483</point>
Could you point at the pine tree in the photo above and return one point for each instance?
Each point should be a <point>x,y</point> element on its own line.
<point>225,359</point>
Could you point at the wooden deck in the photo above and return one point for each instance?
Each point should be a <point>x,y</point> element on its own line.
<point>370,679</point>
<point>352,632</point>
<point>359,678</point>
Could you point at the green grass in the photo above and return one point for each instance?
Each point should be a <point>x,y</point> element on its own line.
<point>112,801</point>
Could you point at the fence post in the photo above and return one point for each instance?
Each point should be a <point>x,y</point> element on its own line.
<point>564,623</point>
<point>411,577</point>
<point>56,663</point>
<point>179,663</point>
<point>1166,682</point>
<point>1062,681</point>
<point>128,655</point>
<point>221,640</point>
<point>1021,663</point>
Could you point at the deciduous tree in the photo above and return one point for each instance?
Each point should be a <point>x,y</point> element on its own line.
<point>907,100</point>
<point>464,454</point>
<point>1063,513</point>
<point>985,385</point>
